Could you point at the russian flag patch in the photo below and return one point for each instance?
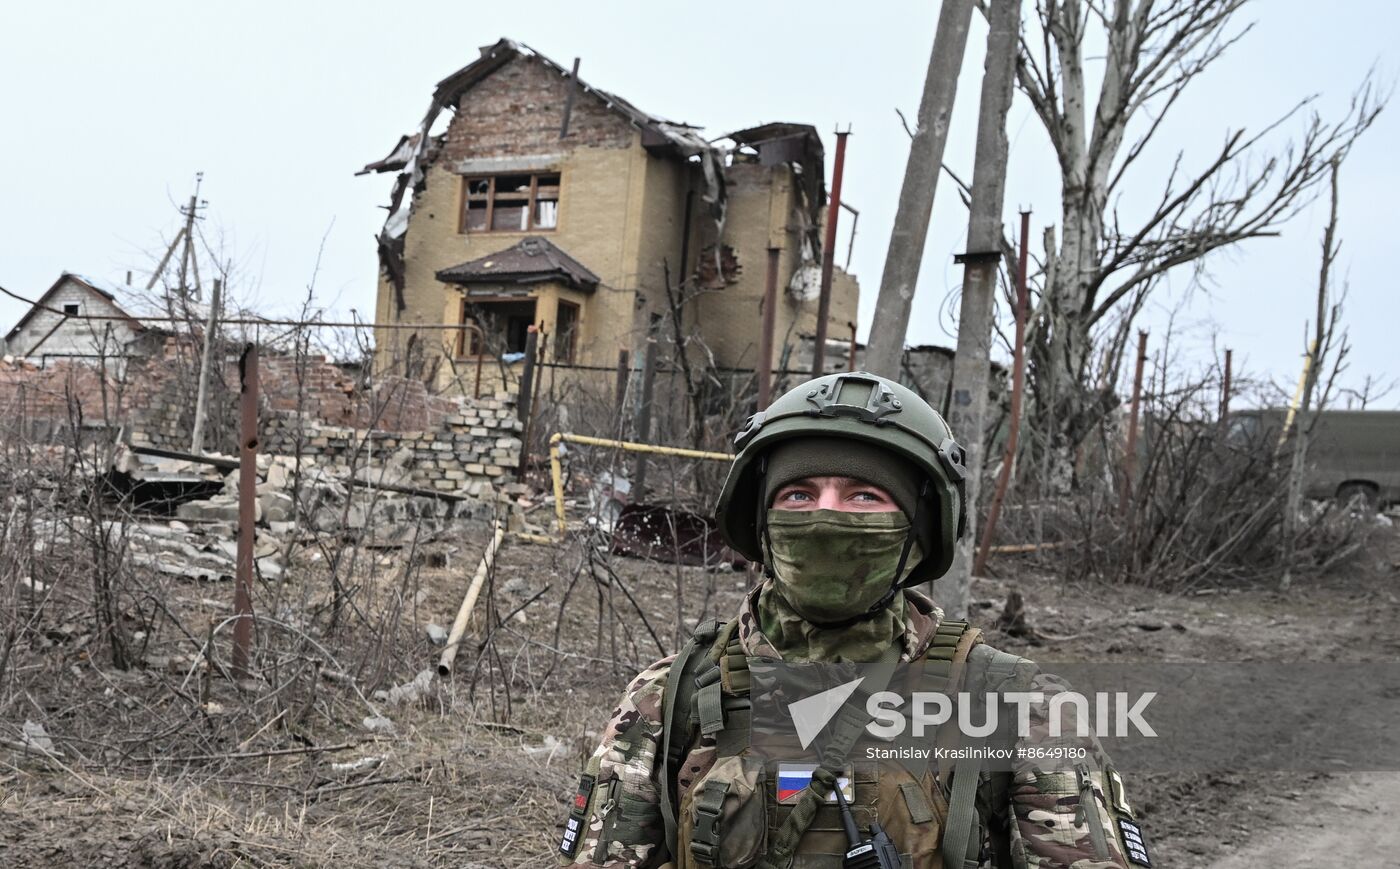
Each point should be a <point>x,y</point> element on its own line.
<point>793,779</point>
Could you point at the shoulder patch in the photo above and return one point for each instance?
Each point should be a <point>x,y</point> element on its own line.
<point>1135,846</point>
<point>578,810</point>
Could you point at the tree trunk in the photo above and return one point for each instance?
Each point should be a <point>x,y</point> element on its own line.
<point>1302,425</point>
<point>972,364</point>
<point>921,173</point>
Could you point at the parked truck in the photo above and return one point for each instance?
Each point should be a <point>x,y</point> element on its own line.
<point>1352,454</point>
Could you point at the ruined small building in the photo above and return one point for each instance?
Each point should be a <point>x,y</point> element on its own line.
<point>528,197</point>
<point>57,326</point>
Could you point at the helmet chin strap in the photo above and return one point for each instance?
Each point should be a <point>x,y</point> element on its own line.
<point>762,514</point>
<point>896,584</point>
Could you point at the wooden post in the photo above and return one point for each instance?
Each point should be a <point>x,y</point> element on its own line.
<point>206,362</point>
<point>1225,393</point>
<point>765,337</point>
<point>1130,453</point>
<point>464,612</point>
<point>247,511</point>
<point>643,434</point>
<point>522,402</point>
<point>620,391</point>
<point>569,101</point>
<point>972,364</point>
<point>906,251</point>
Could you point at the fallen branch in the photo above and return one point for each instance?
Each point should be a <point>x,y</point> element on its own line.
<point>243,755</point>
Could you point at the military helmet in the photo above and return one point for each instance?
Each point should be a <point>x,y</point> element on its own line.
<point>863,407</point>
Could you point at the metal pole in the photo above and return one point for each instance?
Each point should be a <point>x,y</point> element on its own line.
<point>765,337</point>
<point>851,241</point>
<point>201,403</point>
<point>1130,458</point>
<point>851,360</point>
<point>1018,380</point>
<point>833,211</point>
<point>247,511</point>
<point>481,354</point>
<point>522,404</point>
<point>556,467</point>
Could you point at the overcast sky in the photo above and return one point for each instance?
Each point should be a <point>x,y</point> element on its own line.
<point>107,110</point>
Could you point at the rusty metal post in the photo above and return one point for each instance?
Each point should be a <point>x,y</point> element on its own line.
<point>247,510</point>
<point>1130,455</point>
<point>1018,383</point>
<point>851,360</point>
<point>1225,394</point>
<point>522,402</point>
<point>623,370</point>
<point>833,211</point>
<point>765,337</point>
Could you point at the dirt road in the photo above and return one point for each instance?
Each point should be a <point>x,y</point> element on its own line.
<point>1350,823</point>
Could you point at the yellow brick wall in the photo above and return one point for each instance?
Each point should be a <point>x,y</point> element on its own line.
<point>621,214</point>
<point>601,191</point>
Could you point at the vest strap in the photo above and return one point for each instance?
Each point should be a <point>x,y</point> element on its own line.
<point>705,839</point>
<point>673,744</point>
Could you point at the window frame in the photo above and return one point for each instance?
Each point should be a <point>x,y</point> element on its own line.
<point>571,357</point>
<point>532,202</point>
<point>467,335</point>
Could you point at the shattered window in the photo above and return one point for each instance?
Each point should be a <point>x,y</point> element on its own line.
<point>504,324</point>
<point>478,203</point>
<point>565,332</point>
<point>546,201</point>
<point>511,203</point>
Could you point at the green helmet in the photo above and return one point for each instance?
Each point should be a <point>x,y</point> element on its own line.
<point>863,407</point>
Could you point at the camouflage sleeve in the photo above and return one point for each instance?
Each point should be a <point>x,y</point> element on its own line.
<point>1066,799</point>
<point>614,819</point>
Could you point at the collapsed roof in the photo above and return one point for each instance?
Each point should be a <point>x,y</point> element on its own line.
<point>775,143</point>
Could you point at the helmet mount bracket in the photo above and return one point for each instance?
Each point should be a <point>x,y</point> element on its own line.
<point>826,398</point>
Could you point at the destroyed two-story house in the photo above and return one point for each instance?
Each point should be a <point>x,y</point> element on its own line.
<point>528,197</point>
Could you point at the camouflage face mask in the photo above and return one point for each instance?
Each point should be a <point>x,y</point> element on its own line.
<point>830,565</point>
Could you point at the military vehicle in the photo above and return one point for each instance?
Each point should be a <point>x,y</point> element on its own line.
<point>1352,454</point>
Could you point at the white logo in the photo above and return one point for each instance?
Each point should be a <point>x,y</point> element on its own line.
<point>811,714</point>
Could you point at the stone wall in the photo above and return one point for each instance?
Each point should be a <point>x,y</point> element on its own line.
<point>479,443</point>
<point>394,425</point>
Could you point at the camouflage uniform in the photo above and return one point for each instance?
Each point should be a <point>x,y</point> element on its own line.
<point>834,594</point>
<point>1049,831</point>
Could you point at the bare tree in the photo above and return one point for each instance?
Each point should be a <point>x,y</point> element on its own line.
<point>1324,337</point>
<point>1154,51</point>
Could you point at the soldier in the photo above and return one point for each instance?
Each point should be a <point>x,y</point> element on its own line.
<point>848,490</point>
